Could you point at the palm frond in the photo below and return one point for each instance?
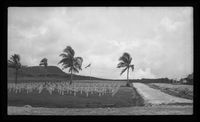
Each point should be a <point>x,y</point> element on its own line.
<point>122,58</point>
<point>64,55</point>
<point>69,61</point>
<point>14,61</point>
<point>44,62</point>
<point>65,66</point>
<point>65,61</point>
<point>70,69</point>
<point>10,62</point>
<point>16,58</point>
<point>41,63</point>
<point>69,51</point>
<point>132,67</point>
<point>129,61</point>
<point>121,64</point>
<point>75,70</point>
<point>78,62</point>
<point>125,58</point>
<point>123,70</point>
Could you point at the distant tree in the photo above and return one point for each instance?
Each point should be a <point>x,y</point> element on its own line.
<point>70,61</point>
<point>189,79</point>
<point>44,63</point>
<point>14,62</point>
<point>125,62</point>
<point>24,66</point>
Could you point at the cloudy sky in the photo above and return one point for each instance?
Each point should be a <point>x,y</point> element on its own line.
<point>160,40</point>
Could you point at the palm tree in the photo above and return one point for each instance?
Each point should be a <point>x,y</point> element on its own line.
<point>125,62</point>
<point>14,62</point>
<point>70,61</point>
<point>45,64</point>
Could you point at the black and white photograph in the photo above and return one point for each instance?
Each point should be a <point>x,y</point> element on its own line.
<point>100,60</point>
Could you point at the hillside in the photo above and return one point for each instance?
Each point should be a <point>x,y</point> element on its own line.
<point>34,71</point>
<point>39,72</point>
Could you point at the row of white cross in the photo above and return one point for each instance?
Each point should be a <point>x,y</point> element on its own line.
<point>64,87</point>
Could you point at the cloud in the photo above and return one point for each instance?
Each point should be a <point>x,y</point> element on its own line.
<point>169,25</point>
<point>139,74</point>
<point>158,39</point>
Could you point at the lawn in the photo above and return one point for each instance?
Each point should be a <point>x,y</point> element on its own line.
<point>125,97</point>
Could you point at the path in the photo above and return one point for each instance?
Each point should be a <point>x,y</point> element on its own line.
<point>156,97</point>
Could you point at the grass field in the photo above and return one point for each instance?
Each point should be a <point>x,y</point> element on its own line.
<point>125,96</point>
<point>184,91</point>
<point>126,101</point>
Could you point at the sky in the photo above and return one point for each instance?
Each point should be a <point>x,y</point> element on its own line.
<point>159,39</point>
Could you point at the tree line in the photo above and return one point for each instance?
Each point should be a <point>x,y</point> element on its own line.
<point>69,61</point>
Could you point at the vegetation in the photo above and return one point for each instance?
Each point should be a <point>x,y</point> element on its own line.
<point>14,62</point>
<point>45,64</point>
<point>70,61</point>
<point>189,79</point>
<point>125,62</point>
<point>184,91</point>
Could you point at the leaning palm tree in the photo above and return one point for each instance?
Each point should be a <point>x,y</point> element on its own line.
<point>125,62</point>
<point>45,64</point>
<point>70,61</point>
<point>14,62</point>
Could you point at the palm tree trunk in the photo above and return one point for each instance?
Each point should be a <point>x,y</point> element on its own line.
<point>45,76</point>
<point>128,84</point>
<point>90,73</point>
<point>71,78</point>
<point>45,72</point>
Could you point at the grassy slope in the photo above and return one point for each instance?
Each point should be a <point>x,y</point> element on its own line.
<point>37,73</point>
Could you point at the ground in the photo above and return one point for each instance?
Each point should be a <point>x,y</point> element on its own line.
<point>144,110</point>
<point>156,103</point>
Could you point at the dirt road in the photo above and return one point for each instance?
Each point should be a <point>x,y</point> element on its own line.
<point>156,97</point>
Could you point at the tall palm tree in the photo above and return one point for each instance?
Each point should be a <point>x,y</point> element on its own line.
<point>125,62</point>
<point>14,62</point>
<point>45,64</point>
<point>70,61</point>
